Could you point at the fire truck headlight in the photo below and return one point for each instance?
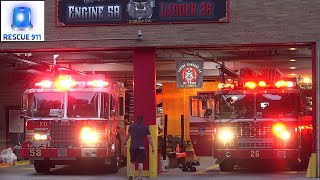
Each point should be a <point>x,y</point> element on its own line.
<point>226,135</point>
<point>40,137</point>
<point>89,135</point>
<point>278,129</point>
<point>281,131</point>
<point>285,135</point>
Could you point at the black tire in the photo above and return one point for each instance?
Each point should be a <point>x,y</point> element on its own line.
<point>305,163</point>
<point>124,161</point>
<point>295,166</point>
<point>226,165</point>
<point>42,167</point>
<point>115,163</point>
<point>193,169</point>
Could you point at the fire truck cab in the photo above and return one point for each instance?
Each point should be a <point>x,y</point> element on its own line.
<point>72,119</point>
<point>256,121</point>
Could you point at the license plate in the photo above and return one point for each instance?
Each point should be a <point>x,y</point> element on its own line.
<point>62,152</point>
<point>281,154</point>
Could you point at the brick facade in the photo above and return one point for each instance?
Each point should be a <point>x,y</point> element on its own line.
<point>250,22</point>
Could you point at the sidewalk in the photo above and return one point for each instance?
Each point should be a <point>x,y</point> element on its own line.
<point>18,163</point>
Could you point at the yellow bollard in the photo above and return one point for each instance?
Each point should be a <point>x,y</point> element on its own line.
<point>128,155</point>
<point>312,166</point>
<point>153,158</point>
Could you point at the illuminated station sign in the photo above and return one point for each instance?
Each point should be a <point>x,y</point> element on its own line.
<point>113,12</point>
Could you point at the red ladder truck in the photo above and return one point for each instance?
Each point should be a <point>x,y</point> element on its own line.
<point>71,119</point>
<point>256,120</point>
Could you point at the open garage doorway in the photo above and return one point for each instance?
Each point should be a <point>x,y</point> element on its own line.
<point>292,61</point>
<point>254,137</point>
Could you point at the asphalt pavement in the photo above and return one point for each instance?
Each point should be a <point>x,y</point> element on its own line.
<point>206,170</point>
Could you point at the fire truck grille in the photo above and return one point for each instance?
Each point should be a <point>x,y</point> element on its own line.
<point>63,135</point>
<point>251,130</point>
<point>255,145</point>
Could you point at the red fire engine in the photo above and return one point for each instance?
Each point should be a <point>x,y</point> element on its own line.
<point>256,120</point>
<point>71,119</point>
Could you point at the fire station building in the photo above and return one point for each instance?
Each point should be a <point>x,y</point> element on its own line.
<point>142,43</point>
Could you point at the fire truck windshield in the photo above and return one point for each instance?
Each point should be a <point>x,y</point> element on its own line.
<point>83,104</point>
<point>45,104</point>
<point>277,105</point>
<point>233,106</point>
<point>51,104</point>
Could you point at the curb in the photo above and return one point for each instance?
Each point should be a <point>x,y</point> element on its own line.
<point>18,163</point>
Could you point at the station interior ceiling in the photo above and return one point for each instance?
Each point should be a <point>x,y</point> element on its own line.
<point>292,61</point>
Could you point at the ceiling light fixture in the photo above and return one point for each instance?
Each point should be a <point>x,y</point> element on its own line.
<point>292,60</point>
<point>292,49</point>
<point>292,67</point>
<point>293,74</point>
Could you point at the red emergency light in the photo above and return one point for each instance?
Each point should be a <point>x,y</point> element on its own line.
<point>225,86</point>
<point>98,83</point>
<point>66,82</point>
<point>250,85</point>
<point>282,83</point>
<point>264,85</point>
<point>44,84</point>
<point>253,84</point>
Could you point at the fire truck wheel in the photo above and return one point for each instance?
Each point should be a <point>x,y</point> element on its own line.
<point>115,163</point>
<point>295,166</point>
<point>124,161</point>
<point>226,165</point>
<point>42,167</point>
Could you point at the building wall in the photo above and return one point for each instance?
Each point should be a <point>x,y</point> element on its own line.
<point>251,22</point>
<point>12,86</point>
<point>317,107</point>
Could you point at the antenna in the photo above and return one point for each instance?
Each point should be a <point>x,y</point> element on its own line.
<point>54,64</point>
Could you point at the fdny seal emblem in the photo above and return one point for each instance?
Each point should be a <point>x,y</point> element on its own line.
<point>189,75</point>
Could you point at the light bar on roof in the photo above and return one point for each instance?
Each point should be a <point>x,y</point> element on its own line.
<point>225,86</point>
<point>44,84</point>
<point>282,83</point>
<point>64,82</point>
<point>262,84</point>
<point>98,83</point>
<point>250,85</point>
